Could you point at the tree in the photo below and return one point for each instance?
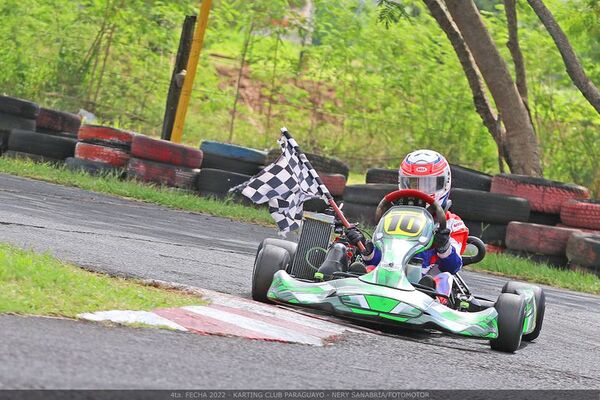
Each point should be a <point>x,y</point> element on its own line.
<point>482,104</point>
<point>521,142</point>
<point>574,68</point>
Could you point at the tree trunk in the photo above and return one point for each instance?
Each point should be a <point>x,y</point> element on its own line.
<point>510,9</point>
<point>482,104</point>
<point>574,68</point>
<point>521,143</point>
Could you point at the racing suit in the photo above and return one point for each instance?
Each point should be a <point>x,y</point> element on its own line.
<point>440,267</point>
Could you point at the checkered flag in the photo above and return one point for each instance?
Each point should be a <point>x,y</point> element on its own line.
<point>286,184</point>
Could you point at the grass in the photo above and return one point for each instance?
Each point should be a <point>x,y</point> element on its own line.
<point>527,270</point>
<point>130,189</point>
<point>39,284</point>
<point>494,263</point>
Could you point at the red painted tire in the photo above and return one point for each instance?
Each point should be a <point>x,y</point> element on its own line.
<point>162,174</point>
<point>58,121</point>
<point>166,152</point>
<point>335,183</point>
<point>543,195</point>
<point>99,134</point>
<point>584,250</point>
<point>581,213</point>
<point>540,239</point>
<point>586,230</point>
<point>108,155</point>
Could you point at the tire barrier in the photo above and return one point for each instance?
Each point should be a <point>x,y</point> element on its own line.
<point>232,158</point>
<point>539,239</point>
<point>335,183</point>
<point>165,152</point>
<point>216,183</point>
<point>58,122</point>
<point>462,177</point>
<point>162,174</point>
<point>106,136</point>
<point>583,250</point>
<point>9,122</point>
<point>92,167</point>
<point>18,107</point>
<point>368,193</point>
<point>494,208</point>
<point>581,213</point>
<point>53,147</point>
<point>361,213</point>
<point>493,234</point>
<point>543,195</point>
<point>323,165</point>
<point>108,155</point>
<point>540,218</point>
<point>381,175</point>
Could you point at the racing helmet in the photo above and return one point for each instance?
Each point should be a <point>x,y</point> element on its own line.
<point>426,171</point>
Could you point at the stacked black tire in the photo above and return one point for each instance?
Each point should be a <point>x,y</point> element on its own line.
<point>360,201</point>
<point>541,238</point>
<point>226,166</point>
<point>26,131</point>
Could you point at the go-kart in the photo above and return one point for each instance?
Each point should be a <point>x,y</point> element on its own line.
<point>391,293</point>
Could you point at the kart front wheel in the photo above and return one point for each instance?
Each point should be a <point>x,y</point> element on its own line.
<point>540,305</point>
<point>269,260</point>
<point>511,315</point>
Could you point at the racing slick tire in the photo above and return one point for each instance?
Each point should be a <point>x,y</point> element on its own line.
<point>544,195</point>
<point>288,246</point>
<point>540,305</point>
<point>511,315</point>
<point>269,260</point>
<point>581,213</point>
<point>9,121</point>
<point>217,182</point>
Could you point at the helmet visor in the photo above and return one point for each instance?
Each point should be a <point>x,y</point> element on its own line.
<point>425,184</point>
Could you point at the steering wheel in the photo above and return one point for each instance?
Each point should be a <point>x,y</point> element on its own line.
<point>418,198</point>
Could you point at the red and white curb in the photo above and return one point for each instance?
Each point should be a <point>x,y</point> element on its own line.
<point>228,315</point>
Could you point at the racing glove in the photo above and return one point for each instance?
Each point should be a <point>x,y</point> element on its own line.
<point>441,241</point>
<point>355,236</point>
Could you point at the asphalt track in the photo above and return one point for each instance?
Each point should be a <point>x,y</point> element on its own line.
<point>130,238</point>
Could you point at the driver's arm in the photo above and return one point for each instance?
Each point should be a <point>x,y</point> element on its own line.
<point>450,259</point>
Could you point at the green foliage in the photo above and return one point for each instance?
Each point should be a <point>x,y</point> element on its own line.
<point>363,83</point>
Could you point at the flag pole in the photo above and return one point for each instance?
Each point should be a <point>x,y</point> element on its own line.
<point>330,199</point>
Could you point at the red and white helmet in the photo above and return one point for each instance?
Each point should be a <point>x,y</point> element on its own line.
<point>426,171</point>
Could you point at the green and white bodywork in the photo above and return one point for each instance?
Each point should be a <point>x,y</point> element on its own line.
<point>387,295</point>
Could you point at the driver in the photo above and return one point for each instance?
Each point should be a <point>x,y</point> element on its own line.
<point>428,172</point>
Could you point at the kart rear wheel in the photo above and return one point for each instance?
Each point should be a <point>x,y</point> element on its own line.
<point>270,259</point>
<point>288,246</point>
<point>511,314</point>
<point>540,306</point>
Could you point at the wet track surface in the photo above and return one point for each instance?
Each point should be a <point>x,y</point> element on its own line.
<point>136,239</point>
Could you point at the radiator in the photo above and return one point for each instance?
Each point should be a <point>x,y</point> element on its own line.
<point>317,230</point>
